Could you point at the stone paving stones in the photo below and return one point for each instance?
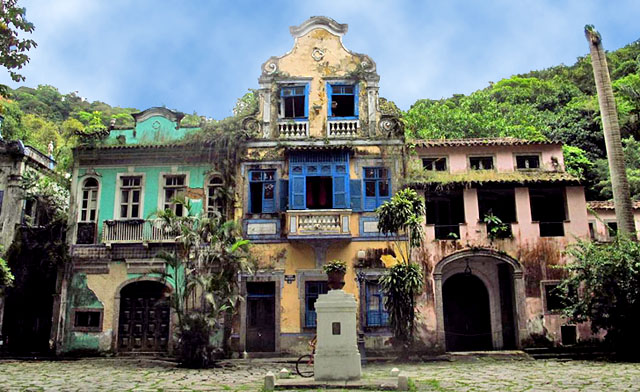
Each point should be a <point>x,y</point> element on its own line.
<point>483,374</point>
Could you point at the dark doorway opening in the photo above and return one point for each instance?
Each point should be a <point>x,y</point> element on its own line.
<point>319,193</point>
<point>143,324</point>
<point>467,322</point>
<point>261,317</point>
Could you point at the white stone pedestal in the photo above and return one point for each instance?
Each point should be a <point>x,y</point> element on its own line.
<point>337,357</point>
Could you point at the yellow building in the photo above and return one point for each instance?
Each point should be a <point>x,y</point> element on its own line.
<point>326,158</point>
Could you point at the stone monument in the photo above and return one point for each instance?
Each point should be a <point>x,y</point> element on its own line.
<point>337,357</point>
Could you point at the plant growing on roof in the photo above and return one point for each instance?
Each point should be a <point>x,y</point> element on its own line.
<point>403,282</point>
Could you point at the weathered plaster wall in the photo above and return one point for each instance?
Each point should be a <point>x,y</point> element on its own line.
<point>600,217</point>
<point>156,129</point>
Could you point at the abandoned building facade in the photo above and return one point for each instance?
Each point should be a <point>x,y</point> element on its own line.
<point>324,157</point>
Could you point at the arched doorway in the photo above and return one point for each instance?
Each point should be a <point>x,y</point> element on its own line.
<point>467,322</point>
<point>144,318</point>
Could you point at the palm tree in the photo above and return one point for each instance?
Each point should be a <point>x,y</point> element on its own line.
<point>609,115</point>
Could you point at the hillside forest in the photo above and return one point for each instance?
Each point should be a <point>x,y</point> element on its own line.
<point>556,104</point>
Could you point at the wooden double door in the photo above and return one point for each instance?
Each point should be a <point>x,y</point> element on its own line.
<point>144,318</point>
<point>261,317</point>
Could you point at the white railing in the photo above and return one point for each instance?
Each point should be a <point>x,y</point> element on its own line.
<point>131,231</point>
<point>343,128</point>
<point>288,129</point>
<point>318,222</point>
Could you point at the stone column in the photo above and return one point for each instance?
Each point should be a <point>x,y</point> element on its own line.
<point>337,357</point>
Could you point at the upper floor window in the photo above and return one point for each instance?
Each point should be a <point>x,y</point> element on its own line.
<point>130,195</point>
<point>343,99</point>
<point>435,164</point>
<point>215,197</point>
<point>376,187</point>
<point>89,206</point>
<point>524,162</point>
<point>293,101</point>
<point>548,208</point>
<point>612,229</point>
<point>481,163</point>
<point>262,189</point>
<point>174,186</point>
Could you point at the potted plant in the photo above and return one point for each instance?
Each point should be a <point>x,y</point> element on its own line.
<point>335,270</point>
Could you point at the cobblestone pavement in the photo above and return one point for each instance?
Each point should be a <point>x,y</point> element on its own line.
<point>480,374</point>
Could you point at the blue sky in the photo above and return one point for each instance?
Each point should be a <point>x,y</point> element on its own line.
<point>202,55</point>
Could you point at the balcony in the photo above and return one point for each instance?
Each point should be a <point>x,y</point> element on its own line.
<point>290,129</point>
<point>136,231</point>
<point>318,223</point>
<point>343,128</point>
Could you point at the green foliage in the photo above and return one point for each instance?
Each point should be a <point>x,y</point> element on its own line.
<point>603,287</point>
<point>14,48</point>
<point>335,266</point>
<point>496,228</point>
<point>576,161</point>
<point>631,151</point>
<point>6,277</point>
<point>402,284</point>
<point>403,214</point>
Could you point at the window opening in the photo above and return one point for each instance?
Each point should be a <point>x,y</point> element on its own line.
<point>446,212</point>
<point>293,102</point>
<point>312,291</point>
<point>215,197</point>
<point>262,185</point>
<point>524,162</point>
<point>376,187</point>
<point>89,205</point>
<point>130,189</point>
<point>174,186</point>
<point>319,192</point>
<point>592,230</point>
<point>87,319</point>
<point>553,297</point>
<point>343,101</point>
<point>377,315</point>
<point>612,229</point>
<point>548,209</point>
<point>435,164</point>
<point>500,203</point>
<point>481,163</point>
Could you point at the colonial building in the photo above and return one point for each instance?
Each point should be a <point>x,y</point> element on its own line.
<point>602,220</point>
<point>321,160</point>
<point>500,212</point>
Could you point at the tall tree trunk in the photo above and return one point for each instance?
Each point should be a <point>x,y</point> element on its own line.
<point>609,115</point>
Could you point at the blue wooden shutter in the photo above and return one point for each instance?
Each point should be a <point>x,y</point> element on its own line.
<point>329,95</point>
<point>306,100</point>
<point>340,186</point>
<point>356,99</point>
<point>284,194</point>
<point>298,199</point>
<point>269,204</point>
<point>355,187</point>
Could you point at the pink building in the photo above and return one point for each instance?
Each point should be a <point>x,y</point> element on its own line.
<point>602,219</point>
<point>499,214</point>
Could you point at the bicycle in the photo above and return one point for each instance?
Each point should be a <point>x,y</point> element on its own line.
<point>304,364</point>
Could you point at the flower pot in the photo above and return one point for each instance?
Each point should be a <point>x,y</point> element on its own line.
<point>336,280</point>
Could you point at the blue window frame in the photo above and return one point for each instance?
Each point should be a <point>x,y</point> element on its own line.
<point>319,180</point>
<point>377,187</point>
<point>343,101</point>
<point>262,191</point>
<point>293,102</point>
<point>311,292</point>
<point>377,315</point>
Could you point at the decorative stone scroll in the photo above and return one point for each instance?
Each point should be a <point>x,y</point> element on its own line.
<point>317,54</point>
<point>251,125</point>
<point>391,126</point>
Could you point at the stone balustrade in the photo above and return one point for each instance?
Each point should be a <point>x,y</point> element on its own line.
<point>319,222</point>
<point>288,129</point>
<point>343,128</point>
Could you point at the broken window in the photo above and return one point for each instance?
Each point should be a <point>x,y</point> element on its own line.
<point>524,162</point>
<point>130,195</point>
<point>319,192</point>
<point>312,291</point>
<point>87,320</point>
<point>174,187</point>
<point>343,100</point>
<point>548,209</point>
<point>501,204</point>
<point>293,102</point>
<point>215,197</point>
<point>481,163</point>
<point>262,185</point>
<point>435,164</point>
<point>446,212</point>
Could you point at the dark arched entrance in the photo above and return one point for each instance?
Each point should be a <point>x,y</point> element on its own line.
<point>467,322</point>
<point>143,324</point>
